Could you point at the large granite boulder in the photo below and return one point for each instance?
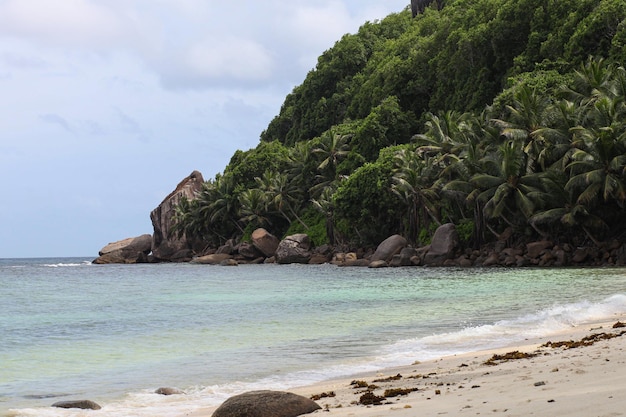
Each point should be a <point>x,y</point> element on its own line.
<point>294,249</point>
<point>265,242</point>
<point>266,404</point>
<point>166,246</point>
<point>128,251</point>
<point>443,245</point>
<point>389,247</point>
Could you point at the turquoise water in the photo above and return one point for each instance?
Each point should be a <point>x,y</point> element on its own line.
<point>115,333</point>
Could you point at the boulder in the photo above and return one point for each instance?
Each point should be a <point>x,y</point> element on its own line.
<point>128,251</point>
<point>266,404</point>
<point>389,247</point>
<point>265,242</point>
<point>378,264</point>
<point>248,251</point>
<point>165,243</point>
<point>294,249</point>
<point>362,262</point>
<point>404,258</point>
<point>443,245</point>
<point>168,391</point>
<point>82,404</point>
<point>214,259</point>
<point>535,249</point>
<point>227,248</point>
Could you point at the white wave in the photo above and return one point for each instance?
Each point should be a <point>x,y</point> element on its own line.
<point>62,265</point>
<point>542,323</point>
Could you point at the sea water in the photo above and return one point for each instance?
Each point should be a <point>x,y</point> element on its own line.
<point>115,333</point>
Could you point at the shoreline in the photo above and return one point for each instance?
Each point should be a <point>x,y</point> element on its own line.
<point>556,380</point>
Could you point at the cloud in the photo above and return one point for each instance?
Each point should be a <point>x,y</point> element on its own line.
<point>67,22</point>
<point>56,120</point>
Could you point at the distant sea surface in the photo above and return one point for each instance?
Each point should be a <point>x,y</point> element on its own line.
<point>115,333</point>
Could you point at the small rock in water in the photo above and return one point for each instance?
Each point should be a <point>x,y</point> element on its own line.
<point>82,404</point>
<point>168,391</point>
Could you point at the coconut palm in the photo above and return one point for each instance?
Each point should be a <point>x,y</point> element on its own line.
<point>507,190</point>
<point>281,195</point>
<point>413,183</point>
<point>253,208</point>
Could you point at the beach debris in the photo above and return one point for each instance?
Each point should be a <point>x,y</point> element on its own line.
<point>82,404</point>
<point>397,392</point>
<point>168,391</point>
<point>359,383</point>
<point>266,404</point>
<point>515,355</point>
<point>389,378</point>
<point>585,341</point>
<point>618,325</point>
<point>369,398</point>
<point>539,383</point>
<point>318,397</point>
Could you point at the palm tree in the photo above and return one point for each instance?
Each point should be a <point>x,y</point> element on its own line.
<point>507,190</point>
<point>253,208</point>
<point>331,150</point>
<point>324,204</point>
<point>413,184</point>
<point>281,195</point>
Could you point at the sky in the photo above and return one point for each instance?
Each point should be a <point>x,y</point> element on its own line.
<point>105,105</point>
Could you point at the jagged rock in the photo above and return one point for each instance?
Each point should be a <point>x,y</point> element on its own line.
<point>128,251</point>
<point>265,242</point>
<point>389,247</point>
<point>164,243</point>
<point>444,243</point>
<point>294,249</point>
<point>536,249</point>
<point>266,404</point>
<point>214,259</point>
<point>168,391</point>
<point>82,404</point>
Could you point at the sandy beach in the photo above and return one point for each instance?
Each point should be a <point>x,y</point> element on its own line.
<point>580,372</point>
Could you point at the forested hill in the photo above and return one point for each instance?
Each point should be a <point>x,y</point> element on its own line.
<point>491,114</point>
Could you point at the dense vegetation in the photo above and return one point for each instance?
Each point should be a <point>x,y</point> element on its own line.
<point>492,114</point>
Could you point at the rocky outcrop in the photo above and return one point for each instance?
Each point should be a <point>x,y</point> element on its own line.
<point>265,242</point>
<point>266,404</point>
<point>128,251</point>
<point>81,404</point>
<point>388,248</point>
<point>165,245</point>
<point>294,249</point>
<point>443,245</point>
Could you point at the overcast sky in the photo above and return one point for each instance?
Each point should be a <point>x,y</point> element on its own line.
<point>107,104</point>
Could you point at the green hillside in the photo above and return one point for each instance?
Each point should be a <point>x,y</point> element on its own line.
<point>491,114</point>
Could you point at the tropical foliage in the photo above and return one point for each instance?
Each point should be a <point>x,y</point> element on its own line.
<point>488,113</point>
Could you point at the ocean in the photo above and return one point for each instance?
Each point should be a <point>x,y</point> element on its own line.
<point>115,333</point>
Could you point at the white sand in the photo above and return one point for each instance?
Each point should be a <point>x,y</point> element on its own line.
<point>587,381</point>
